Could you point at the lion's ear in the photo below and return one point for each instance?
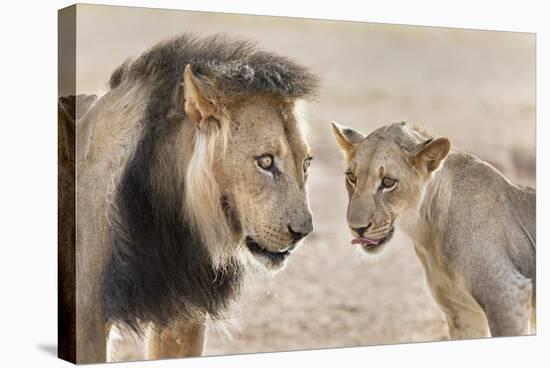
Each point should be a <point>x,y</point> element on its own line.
<point>346,137</point>
<point>196,105</point>
<point>432,153</point>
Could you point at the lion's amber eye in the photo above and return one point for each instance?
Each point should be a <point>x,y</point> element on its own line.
<point>265,162</point>
<point>388,183</point>
<point>351,179</point>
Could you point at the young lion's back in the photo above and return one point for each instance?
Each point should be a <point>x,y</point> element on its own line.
<point>490,215</point>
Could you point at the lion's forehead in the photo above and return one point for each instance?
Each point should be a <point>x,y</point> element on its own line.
<point>389,147</point>
<point>379,153</point>
<point>267,126</point>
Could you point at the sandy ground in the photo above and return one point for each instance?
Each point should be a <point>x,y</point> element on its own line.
<point>475,87</point>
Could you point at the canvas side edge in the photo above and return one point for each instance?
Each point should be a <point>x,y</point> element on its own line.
<point>66,324</point>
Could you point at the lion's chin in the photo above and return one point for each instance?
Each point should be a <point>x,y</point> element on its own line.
<point>265,259</point>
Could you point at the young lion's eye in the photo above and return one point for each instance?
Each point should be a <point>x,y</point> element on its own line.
<point>265,161</point>
<point>351,179</point>
<point>388,183</point>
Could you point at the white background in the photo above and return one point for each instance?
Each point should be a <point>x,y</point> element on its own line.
<point>28,192</point>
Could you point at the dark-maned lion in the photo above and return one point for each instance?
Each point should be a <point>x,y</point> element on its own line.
<point>190,170</point>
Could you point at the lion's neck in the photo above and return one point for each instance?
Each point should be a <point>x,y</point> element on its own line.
<point>425,223</point>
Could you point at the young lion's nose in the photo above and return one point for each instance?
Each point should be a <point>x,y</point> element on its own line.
<point>360,231</point>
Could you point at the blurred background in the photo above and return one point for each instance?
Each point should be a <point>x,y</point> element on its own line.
<point>475,87</point>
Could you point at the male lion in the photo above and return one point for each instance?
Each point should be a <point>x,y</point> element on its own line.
<point>473,230</point>
<point>190,170</point>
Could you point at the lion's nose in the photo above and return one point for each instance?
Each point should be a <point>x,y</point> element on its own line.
<point>301,232</point>
<point>296,235</point>
<point>361,230</point>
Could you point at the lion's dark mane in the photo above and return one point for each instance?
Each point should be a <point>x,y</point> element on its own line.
<point>238,67</point>
<point>159,269</point>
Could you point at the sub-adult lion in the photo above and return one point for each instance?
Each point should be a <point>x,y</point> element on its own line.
<point>191,170</point>
<point>473,230</point>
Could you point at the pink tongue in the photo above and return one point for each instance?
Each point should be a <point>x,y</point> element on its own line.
<point>364,241</point>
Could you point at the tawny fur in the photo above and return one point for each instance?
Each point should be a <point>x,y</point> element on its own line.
<point>169,188</point>
<point>473,230</point>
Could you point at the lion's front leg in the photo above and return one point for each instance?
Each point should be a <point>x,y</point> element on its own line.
<point>183,339</point>
<point>465,318</point>
<point>92,329</point>
<point>465,323</point>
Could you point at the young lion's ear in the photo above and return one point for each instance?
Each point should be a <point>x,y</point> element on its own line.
<point>432,154</point>
<point>346,137</point>
<point>196,105</point>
